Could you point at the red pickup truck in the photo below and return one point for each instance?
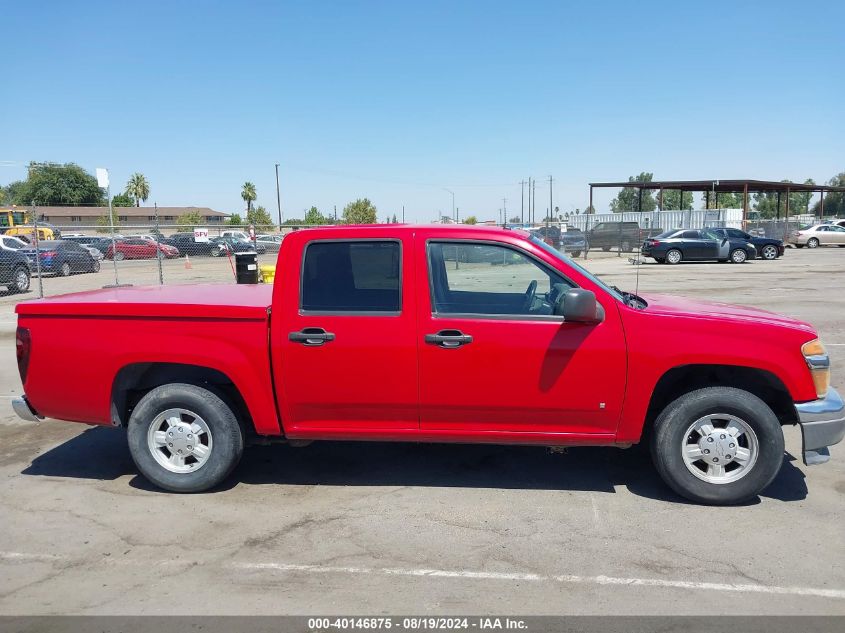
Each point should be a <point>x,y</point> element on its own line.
<point>434,334</point>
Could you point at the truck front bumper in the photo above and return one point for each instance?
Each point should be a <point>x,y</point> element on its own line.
<point>22,407</point>
<point>822,424</point>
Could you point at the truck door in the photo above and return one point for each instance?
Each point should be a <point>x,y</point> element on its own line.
<point>343,332</point>
<point>493,357</point>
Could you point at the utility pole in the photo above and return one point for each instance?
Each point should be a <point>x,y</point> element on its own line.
<point>504,211</point>
<point>551,206</point>
<point>522,201</point>
<point>533,193</point>
<point>278,197</point>
<point>403,214</point>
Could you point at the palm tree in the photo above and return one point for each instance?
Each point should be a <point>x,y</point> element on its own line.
<point>138,188</point>
<point>248,194</point>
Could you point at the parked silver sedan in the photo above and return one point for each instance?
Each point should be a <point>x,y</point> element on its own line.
<point>271,242</point>
<point>819,235</point>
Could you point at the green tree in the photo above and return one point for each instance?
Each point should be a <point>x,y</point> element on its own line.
<point>51,184</point>
<point>470,219</point>
<point>675,200</point>
<point>629,198</point>
<point>313,216</point>
<point>248,194</point>
<point>766,203</point>
<point>834,202</point>
<point>122,200</point>
<point>235,220</point>
<point>260,219</point>
<point>394,220</point>
<point>189,219</point>
<point>362,211</point>
<point>726,200</point>
<point>515,220</point>
<point>104,224</point>
<point>137,187</point>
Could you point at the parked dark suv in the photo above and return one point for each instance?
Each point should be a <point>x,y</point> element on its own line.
<point>14,271</point>
<point>625,236</point>
<point>187,244</point>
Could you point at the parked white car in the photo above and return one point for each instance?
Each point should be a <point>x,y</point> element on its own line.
<point>238,235</point>
<point>10,243</point>
<point>819,235</point>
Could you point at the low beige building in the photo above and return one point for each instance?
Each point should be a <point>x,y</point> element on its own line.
<point>82,217</point>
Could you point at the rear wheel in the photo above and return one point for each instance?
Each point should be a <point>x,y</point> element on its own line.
<point>575,254</point>
<point>64,271</point>
<point>769,252</point>
<point>119,256</point>
<point>626,247</point>
<point>717,445</point>
<point>674,256</point>
<point>184,438</point>
<point>738,256</point>
<point>660,260</point>
<point>813,242</point>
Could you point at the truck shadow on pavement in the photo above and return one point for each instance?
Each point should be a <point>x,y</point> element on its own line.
<point>102,454</point>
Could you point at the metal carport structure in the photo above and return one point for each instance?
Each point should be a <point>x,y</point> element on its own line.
<point>715,187</point>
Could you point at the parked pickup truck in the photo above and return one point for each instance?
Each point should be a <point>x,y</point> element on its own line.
<point>383,333</point>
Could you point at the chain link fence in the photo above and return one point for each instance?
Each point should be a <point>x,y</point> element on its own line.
<point>64,259</point>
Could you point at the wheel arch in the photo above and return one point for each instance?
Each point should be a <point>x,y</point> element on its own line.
<point>133,381</point>
<point>683,379</point>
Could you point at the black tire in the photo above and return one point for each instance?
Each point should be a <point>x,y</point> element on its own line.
<point>660,260</point>
<point>799,246</point>
<point>605,248</point>
<point>227,446</point>
<point>118,256</point>
<point>95,268</point>
<point>20,280</point>
<point>668,438</point>
<point>738,256</point>
<point>575,254</point>
<point>64,269</point>
<point>670,257</point>
<point>769,252</point>
<point>813,242</point>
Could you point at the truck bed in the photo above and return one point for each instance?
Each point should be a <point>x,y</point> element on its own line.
<point>224,301</point>
<point>83,342</point>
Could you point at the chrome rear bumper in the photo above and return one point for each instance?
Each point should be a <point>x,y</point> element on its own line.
<point>822,424</point>
<point>24,411</point>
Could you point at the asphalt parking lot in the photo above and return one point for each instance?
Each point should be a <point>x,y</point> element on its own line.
<point>366,528</point>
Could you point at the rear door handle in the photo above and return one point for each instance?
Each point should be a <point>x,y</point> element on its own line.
<point>448,339</point>
<point>311,336</point>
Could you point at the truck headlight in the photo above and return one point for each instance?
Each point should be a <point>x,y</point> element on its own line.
<point>819,363</point>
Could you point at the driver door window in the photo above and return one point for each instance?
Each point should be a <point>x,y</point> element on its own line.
<point>487,279</point>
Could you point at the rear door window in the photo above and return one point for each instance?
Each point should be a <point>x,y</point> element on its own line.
<point>352,276</point>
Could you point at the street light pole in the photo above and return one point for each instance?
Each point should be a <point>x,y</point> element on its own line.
<point>453,202</point>
<point>278,197</point>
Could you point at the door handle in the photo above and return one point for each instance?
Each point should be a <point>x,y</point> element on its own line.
<point>311,336</point>
<point>448,339</point>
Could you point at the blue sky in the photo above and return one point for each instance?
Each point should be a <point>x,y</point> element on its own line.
<point>396,101</point>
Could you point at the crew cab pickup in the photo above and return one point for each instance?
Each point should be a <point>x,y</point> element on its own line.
<point>430,334</point>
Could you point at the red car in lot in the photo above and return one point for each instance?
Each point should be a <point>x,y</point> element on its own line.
<point>431,334</point>
<point>139,249</point>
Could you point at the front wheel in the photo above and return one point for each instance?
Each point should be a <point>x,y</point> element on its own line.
<point>575,254</point>
<point>769,252</point>
<point>96,266</point>
<point>184,438</point>
<point>717,445</point>
<point>20,280</point>
<point>738,256</point>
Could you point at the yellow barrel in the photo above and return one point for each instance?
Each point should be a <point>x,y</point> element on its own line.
<point>268,273</point>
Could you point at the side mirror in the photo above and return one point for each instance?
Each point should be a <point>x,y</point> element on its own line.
<point>578,306</point>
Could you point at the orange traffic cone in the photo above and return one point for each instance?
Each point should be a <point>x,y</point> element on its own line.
<point>187,262</point>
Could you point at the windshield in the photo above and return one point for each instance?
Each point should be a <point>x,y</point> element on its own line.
<point>571,262</point>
